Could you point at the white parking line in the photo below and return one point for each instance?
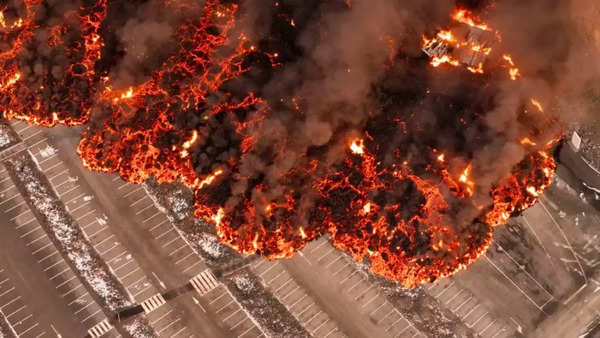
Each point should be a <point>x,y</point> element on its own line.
<point>7,291</point>
<point>10,302</point>
<point>35,240</point>
<point>14,207</point>
<point>24,224</point>
<point>513,283</point>
<point>159,224</point>
<point>84,215</point>
<point>177,262</point>
<point>169,325</point>
<point>65,282</point>
<point>74,198</point>
<point>56,175</point>
<point>132,191</point>
<point>14,312</point>
<point>52,167</point>
<point>8,199</point>
<point>161,317</point>
<point>144,209</point>
<point>48,256</point>
<point>42,248</point>
<point>30,232</point>
<point>487,327</point>
<point>138,201</point>
<point>245,332</point>
<point>60,273</point>
<point>149,218</point>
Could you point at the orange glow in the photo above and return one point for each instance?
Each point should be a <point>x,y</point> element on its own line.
<point>217,218</point>
<point>208,180</point>
<point>302,233</point>
<point>128,94</point>
<point>187,144</point>
<point>367,208</point>
<point>437,61</point>
<point>11,81</point>
<point>465,16</point>
<point>527,142</point>
<point>357,147</point>
<point>537,104</point>
<point>446,35</point>
<point>513,71</point>
<point>476,70</point>
<point>466,180</point>
<point>481,49</point>
<point>520,190</point>
<point>24,94</point>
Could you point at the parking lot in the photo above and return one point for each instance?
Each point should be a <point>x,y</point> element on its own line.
<point>68,286</point>
<point>369,300</point>
<point>301,305</point>
<point>221,304</point>
<point>469,309</point>
<point>167,238</point>
<point>231,314</point>
<point>15,311</point>
<point>81,205</point>
<point>516,274</point>
<point>166,319</point>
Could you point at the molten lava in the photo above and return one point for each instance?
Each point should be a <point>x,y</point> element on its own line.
<point>57,88</point>
<point>195,120</point>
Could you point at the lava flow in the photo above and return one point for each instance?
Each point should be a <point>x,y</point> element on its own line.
<point>276,134</point>
<point>48,71</point>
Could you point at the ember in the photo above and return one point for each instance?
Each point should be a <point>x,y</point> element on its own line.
<point>354,147</point>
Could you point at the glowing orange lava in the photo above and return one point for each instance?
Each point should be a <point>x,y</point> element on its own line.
<point>188,121</point>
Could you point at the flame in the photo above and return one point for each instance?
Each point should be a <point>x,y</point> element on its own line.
<point>521,189</point>
<point>446,35</point>
<point>465,16</point>
<point>476,70</point>
<point>513,71</point>
<point>302,233</point>
<point>527,142</point>
<point>128,94</point>
<point>187,144</point>
<point>437,61</point>
<point>217,218</point>
<point>367,208</point>
<point>481,49</point>
<point>357,147</point>
<point>538,105</point>
<point>11,81</point>
<point>208,180</point>
<point>466,180</point>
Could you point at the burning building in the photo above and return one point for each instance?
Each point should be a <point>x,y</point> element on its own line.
<point>295,119</point>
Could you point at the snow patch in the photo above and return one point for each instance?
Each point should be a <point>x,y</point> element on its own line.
<point>178,205</point>
<point>211,246</point>
<point>244,283</point>
<point>6,137</point>
<point>139,329</point>
<point>48,151</point>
